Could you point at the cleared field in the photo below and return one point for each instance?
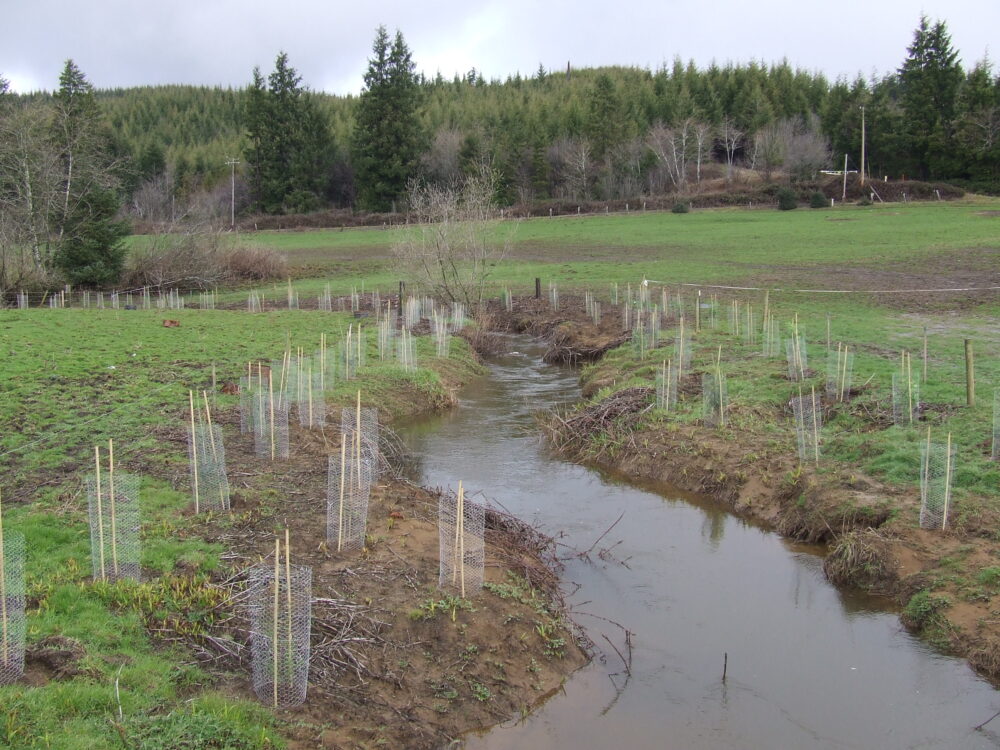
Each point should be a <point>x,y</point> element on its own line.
<point>712,246</point>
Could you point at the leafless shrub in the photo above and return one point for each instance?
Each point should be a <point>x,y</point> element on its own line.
<point>458,240</point>
<point>198,260</point>
<point>254,264</point>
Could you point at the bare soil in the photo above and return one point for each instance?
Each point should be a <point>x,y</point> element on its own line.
<point>390,666</point>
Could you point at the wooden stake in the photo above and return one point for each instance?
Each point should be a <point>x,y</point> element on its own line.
<point>461,535</point>
<point>815,425</point>
<point>697,312</point>
<point>194,454</point>
<point>274,629</point>
<point>288,596</point>
<point>970,374</point>
<point>270,394</point>
<point>767,309</point>
<point>718,377</point>
<point>925,355</point>
<point>310,383</point>
<point>947,482</point>
<point>828,331</point>
<point>343,470</point>
<point>100,511</point>
<point>111,502</point>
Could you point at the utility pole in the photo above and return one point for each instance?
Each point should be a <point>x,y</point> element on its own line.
<point>232,200</point>
<point>862,144</point>
<point>843,194</point>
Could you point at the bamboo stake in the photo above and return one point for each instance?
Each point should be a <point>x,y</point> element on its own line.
<point>111,502</point>
<point>310,378</point>
<point>680,348</point>
<point>800,424</point>
<point>274,628</point>
<point>100,512</point>
<point>843,380</point>
<point>697,312</point>
<point>259,401</point>
<point>815,425</point>
<point>970,374</point>
<point>461,536</point>
<point>270,393</point>
<point>3,593</point>
<point>322,363</point>
<point>343,469</point>
<point>718,379</point>
<point>909,389</point>
<point>194,454</point>
<point>926,466</point>
<point>925,354</point>
<point>288,597</point>
<point>828,331</point>
<point>947,482</point>
<point>667,384</point>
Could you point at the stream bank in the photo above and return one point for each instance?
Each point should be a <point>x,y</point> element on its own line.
<point>943,581</point>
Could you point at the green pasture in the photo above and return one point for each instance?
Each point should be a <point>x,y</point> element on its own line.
<point>74,378</point>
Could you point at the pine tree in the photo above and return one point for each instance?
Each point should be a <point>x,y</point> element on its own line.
<point>86,237</point>
<point>929,81</point>
<point>387,133</point>
<point>288,148</point>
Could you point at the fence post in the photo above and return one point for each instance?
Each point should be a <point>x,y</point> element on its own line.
<point>538,288</point>
<point>970,374</point>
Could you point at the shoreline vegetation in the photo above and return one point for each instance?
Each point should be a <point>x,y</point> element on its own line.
<point>394,659</point>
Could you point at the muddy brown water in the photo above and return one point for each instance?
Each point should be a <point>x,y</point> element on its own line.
<point>809,666</point>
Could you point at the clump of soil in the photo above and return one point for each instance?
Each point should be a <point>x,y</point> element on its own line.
<point>54,657</point>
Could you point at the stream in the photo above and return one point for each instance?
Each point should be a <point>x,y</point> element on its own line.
<point>809,666</point>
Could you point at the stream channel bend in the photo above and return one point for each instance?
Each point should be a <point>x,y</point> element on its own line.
<point>809,666</point>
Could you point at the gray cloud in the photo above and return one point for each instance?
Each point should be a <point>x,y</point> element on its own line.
<point>217,42</point>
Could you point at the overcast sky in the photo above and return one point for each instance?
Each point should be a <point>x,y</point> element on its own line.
<point>218,42</point>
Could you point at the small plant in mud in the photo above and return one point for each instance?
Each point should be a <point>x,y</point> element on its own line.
<point>553,645</point>
<point>480,692</point>
<point>433,607</point>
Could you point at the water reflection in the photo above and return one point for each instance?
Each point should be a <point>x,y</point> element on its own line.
<point>808,666</point>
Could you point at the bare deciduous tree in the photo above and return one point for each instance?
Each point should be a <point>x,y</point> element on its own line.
<point>796,145</point>
<point>441,162</point>
<point>671,148</point>
<point>457,240</point>
<point>731,138</point>
<point>572,167</point>
<point>703,140</point>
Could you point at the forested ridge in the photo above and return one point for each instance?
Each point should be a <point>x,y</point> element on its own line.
<point>179,153</point>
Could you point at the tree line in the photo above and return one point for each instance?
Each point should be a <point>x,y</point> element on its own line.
<point>167,152</point>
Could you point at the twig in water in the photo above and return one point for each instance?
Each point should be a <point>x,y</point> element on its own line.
<point>589,549</point>
<point>980,726</point>
<point>625,662</point>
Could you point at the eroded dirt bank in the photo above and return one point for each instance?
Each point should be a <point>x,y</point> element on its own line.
<point>871,527</point>
<point>396,661</point>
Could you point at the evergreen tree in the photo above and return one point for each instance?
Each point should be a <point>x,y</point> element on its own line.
<point>93,250</point>
<point>288,148</point>
<point>387,133</point>
<point>86,237</point>
<point>929,81</point>
<point>604,121</point>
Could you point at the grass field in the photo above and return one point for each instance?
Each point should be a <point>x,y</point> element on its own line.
<point>712,246</point>
<point>72,378</point>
